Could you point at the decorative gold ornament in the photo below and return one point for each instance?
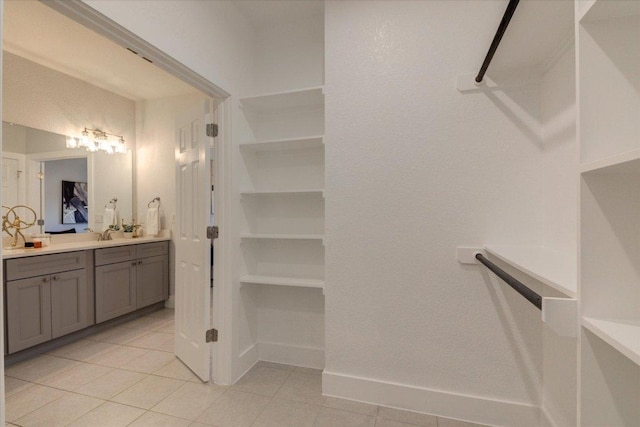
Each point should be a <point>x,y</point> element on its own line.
<point>12,221</point>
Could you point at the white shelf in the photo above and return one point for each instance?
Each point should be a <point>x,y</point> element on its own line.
<point>282,101</point>
<point>313,141</point>
<point>283,192</point>
<point>621,334</point>
<point>597,10</point>
<point>627,162</point>
<point>554,269</point>
<point>282,281</point>
<point>284,236</point>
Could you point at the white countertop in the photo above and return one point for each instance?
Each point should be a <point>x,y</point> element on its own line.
<point>78,246</point>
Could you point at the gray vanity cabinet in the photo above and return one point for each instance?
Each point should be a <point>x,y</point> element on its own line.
<point>28,312</point>
<point>41,307</point>
<point>152,280</point>
<point>130,277</point>
<point>115,288</point>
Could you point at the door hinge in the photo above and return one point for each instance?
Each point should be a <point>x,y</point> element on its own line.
<point>213,232</point>
<point>212,130</point>
<point>212,335</point>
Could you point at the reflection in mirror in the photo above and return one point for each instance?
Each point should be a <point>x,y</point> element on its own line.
<point>35,163</point>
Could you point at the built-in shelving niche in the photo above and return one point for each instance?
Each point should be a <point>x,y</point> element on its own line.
<point>282,224</point>
<point>609,95</point>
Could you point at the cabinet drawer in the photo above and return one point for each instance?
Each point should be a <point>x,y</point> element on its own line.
<point>116,254</point>
<point>21,268</point>
<point>146,250</point>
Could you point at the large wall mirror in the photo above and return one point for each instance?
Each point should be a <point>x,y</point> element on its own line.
<point>68,188</point>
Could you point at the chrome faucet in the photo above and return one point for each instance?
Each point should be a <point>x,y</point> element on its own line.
<point>106,235</point>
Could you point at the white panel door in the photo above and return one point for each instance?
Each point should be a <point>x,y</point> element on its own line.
<point>192,271</point>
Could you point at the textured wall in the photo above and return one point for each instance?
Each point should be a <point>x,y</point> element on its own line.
<point>414,168</point>
<point>41,98</point>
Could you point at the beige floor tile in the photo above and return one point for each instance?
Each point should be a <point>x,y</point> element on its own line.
<point>197,424</point>
<point>283,413</point>
<point>152,419</point>
<point>149,362</point>
<point>20,404</point>
<point>302,388</point>
<point>351,406</point>
<point>165,313</point>
<point>109,414</point>
<point>119,356</point>
<point>265,381</point>
<point>178,371</point>
<point>14,385</point>
<point>76,377</point>
<point>383,422</point>
<point>448,422</point>
<point>273,365</point>
<point>304,370</point>
<point>329,417</point>
<point>125,335</point>
<point>234,409</point>
<point>111,384</point>
<point>147,323</point>
<point>60,412</point>
<point>61,351</point>
<point>100,336</point>
<point>190,400</point>
<point>152,341</point>
<point>40,368</point>
<point>409,417</point>
<point>148,392</point>
<point>87,352</point>
<point>170,328</point>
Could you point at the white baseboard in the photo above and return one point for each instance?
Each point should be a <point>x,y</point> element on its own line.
<point>309,357</point>
<point>246,360</point>
<point>450,405</point>
<point>171,302</point>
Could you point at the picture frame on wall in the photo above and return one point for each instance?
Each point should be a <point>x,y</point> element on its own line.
<point>75,201</point>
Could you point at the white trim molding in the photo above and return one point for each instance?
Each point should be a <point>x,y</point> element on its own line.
<point>446,404</point>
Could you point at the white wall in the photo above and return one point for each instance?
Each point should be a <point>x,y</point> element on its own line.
<point>44,99</point>
<point>290,56</point>
<point>41,98</point>
<point>57,171</point>
<point>560,183</point>
<point>414,168</point>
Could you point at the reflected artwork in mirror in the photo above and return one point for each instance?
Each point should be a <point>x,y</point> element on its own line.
<point>75,205</point>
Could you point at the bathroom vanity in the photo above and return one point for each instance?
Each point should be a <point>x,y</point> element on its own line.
<point>64,288</point>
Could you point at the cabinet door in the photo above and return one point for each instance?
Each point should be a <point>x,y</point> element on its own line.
<point>68,302</point>
<point>152,280</point>
<point>115,290</point>
<point>28,312</point>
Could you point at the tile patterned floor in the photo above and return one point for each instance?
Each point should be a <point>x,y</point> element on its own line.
<point>128,376</point>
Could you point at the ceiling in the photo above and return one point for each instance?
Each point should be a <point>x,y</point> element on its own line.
<point>36,32</point>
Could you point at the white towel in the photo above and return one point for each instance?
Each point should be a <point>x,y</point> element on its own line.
<point>110,218</point>
<point>153,222</point>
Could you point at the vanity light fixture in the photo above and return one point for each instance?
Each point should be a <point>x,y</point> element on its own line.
<point>98,140</point>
